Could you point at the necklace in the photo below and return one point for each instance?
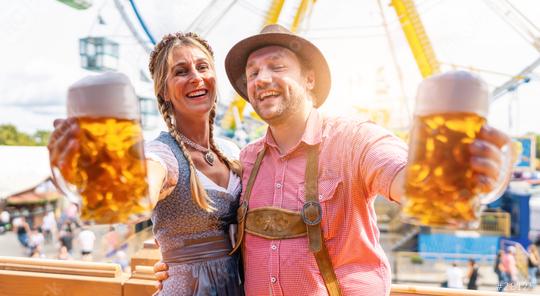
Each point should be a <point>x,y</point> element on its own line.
<point>209,156</point>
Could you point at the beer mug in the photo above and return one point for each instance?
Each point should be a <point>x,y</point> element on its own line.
<point>106,176</point>
<point>450,110</point>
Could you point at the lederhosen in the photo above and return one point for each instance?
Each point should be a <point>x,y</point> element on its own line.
<point>277,223</point>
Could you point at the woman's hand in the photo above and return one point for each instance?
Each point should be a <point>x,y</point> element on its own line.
<point>63,143</point>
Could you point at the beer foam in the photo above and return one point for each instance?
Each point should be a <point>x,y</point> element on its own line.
<point>452,92</point>
<point>105,95</point>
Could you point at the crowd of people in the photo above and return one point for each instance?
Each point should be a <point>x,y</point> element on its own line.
<point>505,267</point>
<point>65,235</point>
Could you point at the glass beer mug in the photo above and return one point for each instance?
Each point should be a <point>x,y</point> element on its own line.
<point>106,175</point>
<point>450,110</point>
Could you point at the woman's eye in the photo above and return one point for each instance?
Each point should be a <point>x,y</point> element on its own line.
<point>180,72</point>
<point>253,74</point>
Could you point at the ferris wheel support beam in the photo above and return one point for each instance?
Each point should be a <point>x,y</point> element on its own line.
<point>143,43</point>
<point>416,37</point>
<point>514,82</point>
<point>141,22</point>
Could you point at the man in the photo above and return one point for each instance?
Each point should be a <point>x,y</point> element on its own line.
<point>454,275</point>
<point>314,177</point>
<point>86,240</point>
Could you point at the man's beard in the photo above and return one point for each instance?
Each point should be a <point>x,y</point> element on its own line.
<point>287,107</point>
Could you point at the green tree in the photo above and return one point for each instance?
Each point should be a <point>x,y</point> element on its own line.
<point>9,135</point>
<point>538,146</point>
<point>42,137</point>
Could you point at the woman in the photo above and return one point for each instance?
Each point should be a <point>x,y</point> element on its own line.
<point>195,186</point>
<point>472,275</point>
<point>498,268</point>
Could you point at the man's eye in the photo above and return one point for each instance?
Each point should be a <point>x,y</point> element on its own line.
<point>180,72</point>
<point>203,67</point>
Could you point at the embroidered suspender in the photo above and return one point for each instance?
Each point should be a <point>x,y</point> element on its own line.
<point>312,216</point>
<point>277,223</point>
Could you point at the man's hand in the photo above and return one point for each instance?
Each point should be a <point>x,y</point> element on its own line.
<point>486,162</point>
<point>487,158</point>
<point>161,274</point>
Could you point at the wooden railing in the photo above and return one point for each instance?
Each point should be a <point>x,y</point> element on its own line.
<point>33,277</point>
<point>407,290</point>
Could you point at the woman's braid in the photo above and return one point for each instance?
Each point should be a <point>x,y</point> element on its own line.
<point>158,69</point>
<point>198,193</point>
<point>233,165</point>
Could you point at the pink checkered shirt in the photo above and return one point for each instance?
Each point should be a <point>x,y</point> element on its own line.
<point>357,161</point>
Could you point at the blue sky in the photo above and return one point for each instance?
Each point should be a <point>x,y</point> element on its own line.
<point>39,51</point>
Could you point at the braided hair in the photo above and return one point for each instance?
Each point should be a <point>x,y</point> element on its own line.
<point>159,70</point>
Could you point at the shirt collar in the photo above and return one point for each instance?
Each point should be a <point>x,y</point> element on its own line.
<point>312,134</point>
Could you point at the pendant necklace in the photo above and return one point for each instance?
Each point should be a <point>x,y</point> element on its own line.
<point>209,156</point>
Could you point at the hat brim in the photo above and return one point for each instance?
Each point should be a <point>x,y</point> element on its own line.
<point>235,62</point>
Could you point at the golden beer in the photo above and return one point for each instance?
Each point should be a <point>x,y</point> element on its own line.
<point>106,175</point>
<point>109,171</point>
<point>440,189</point>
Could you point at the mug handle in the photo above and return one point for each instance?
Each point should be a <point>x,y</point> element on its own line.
<point>504,176</point>
<point>69,191</point>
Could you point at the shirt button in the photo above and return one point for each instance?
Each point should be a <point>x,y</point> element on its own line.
<point>273,247</point>
<point>278,185</point>
<point>273,279</point>
<point>320,196</point>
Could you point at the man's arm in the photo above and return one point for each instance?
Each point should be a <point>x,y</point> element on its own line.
<point>397,189</point>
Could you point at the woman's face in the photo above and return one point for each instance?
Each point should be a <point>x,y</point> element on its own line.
<point>191,82</point>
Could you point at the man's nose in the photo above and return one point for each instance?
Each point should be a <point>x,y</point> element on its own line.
<point>263,78</point>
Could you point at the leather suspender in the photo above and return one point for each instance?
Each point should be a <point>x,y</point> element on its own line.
<point>311,214</point>
<point>243,208</point>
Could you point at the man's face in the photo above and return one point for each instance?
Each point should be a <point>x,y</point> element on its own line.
<point>276,85</point>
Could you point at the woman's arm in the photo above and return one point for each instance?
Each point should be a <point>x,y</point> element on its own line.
<point>156,177</point>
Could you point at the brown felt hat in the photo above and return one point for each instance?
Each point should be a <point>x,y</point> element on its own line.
<point>235,62</point>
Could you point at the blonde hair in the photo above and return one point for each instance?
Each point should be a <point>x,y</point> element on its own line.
<point>159,69</point>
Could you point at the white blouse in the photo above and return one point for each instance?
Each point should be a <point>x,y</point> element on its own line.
<point>160,152</point>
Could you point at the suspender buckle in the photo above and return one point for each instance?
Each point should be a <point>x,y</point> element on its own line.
<point>312,213</point>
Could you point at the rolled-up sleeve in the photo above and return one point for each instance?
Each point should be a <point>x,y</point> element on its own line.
<point>380,156</point>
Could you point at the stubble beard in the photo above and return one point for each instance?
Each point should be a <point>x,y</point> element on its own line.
<point>288,106</point>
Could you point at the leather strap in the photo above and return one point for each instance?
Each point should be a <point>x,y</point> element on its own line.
<point>312,211</point>
<point>312,216</point>
<point>243,208</point>
<point>275,223</point>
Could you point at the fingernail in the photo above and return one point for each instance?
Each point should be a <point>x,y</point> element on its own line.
<point>478,144</point>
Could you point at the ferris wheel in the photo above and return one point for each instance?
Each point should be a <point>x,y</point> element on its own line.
<point>100,53</point>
